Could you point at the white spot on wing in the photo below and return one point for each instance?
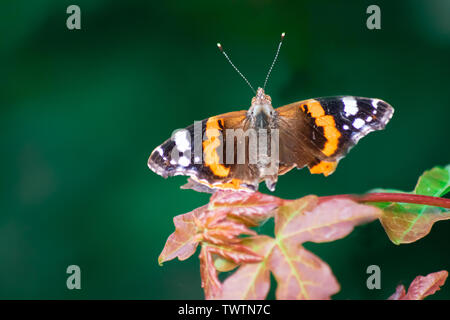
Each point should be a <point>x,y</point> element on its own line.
<point>375,103</point>
<point>369,119</point>
<point>345,127</point>
<point>182,140</point>
<point>358,123</point>
<point>184,161</point>
<point>350,105</point>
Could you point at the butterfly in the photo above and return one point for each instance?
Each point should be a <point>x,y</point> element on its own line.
<point>240,149</point>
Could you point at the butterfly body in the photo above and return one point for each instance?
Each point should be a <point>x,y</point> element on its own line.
<point>240,149</point>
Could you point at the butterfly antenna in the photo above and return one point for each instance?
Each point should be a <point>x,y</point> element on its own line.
<point>235,68</point>
<point>274,60</point>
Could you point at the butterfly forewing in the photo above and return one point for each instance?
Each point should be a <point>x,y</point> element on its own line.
<point>319,132</point>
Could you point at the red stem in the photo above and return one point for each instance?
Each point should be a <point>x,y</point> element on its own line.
<point>394,197</point>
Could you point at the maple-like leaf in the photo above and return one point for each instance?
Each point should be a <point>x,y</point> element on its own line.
<point>218,227</point>
<point>184,241</point>
<point>299,273</point>
<point>227,216</point>
<point>421,287</point>
<point>250,208</point>
<point>406,223</point>
<point>251,281</point>
<point>210,282</point>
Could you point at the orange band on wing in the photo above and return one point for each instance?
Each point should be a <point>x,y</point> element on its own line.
<point>210,145</point>
<point>234,184</point>
<point>324,167</point>
<point>330,131</point>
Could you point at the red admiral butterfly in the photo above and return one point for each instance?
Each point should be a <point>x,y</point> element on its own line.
<point>231,150</point>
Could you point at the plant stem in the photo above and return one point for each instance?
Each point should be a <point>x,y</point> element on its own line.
<point>394,197</point>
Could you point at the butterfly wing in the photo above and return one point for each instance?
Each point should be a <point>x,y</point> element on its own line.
<point>198,152</point>
<point>318,132</point>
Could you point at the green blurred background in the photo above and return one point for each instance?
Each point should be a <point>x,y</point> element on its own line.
<point>82,110</point>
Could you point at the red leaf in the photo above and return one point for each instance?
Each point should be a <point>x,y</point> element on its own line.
<point>421,287</point>
<point>249,207</point>
<point>223,231</point>
<point>203,225</point>
<point>183,242</point>
<point>236,253</point>
<point>251,281</point>
<point>306,220</point>
<point>399,293</point>
<point>299,273</point>
<point>210,283</point>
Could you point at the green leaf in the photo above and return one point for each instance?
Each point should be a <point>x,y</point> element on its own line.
<point>406,223</point>
<point>435,182</point>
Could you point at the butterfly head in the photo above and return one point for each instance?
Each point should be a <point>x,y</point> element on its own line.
<point>261,111</point>
<point>261,98</point>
